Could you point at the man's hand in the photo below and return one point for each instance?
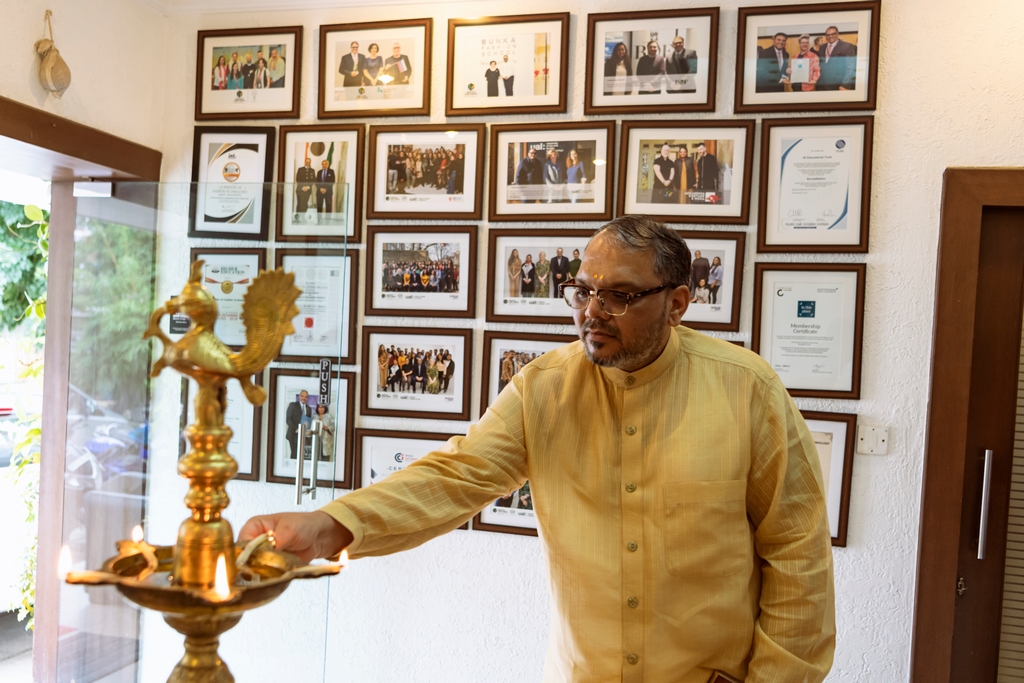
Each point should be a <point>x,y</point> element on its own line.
<point>309,535</point>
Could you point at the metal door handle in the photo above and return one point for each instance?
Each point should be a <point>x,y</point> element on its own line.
<point>300,455</point>
<point>986,490</point>
<point>315,430</point>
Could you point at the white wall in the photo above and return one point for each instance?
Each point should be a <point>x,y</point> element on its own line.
<point>472,606</point>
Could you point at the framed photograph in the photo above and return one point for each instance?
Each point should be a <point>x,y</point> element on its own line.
<point>379,68</point>
<point>546,171</point>
<point>820,57</point>
<point>809,325</point>
<point>244,419</point>
<point>512,514</point>
<point>508,65</point>
<point>227,274</point>
<point>686,171</point>
<point>325,325</point>
<point>524,270</point>
<point>664,61</point>
<point>249,73</point>
<point>716,279</point>
<point>431,171</point>
<point>815,185</point>
<point>507,353</point>
<point>320,169</point>
<point>421,271</point>
<point>833,434</point>
<point>232,172</point>
<point>294,399</point>
<point>417,373</point>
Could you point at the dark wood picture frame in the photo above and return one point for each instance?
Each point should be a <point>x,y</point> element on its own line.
<point>874,6</point>
<point>865,203</point>
<point>858,324</point>
<point>353,254</point>
<point>491,335</point>
<point>480,525</point>
<point>849,449</point>
<point>740,238</point>
<point>749,125</point>
<point>268,175</point>
<point>492,243</point>
<point>296,74</point>
<point>426,23</point>
<point>357,184</point>
<point>257,431</point>
<point>372,212</point>
<point>590,109</point>
<point>604,214</point>
<point>467,271</point>
<point>346,467</point>
<point>195,253</point>
<point>369,369</point>
<point>563,64</point>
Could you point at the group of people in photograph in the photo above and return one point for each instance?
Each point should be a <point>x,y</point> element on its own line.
<point>512,362</point>
<point>255,72</point>
<point>373,69</point>
<point>300,412</point>
<point>441,276</point>
<point>562,180</point>
<point>655,73</point>
<point>825,63</point>
<point>415,170</point>
<point>705,279</point>
<point>682,178</point>
<point>406,370</point>
<point>540,280</point>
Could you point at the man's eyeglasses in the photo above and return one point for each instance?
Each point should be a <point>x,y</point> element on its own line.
<point>612,302</point>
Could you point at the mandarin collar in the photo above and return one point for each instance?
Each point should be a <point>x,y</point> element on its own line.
<point>648,374</point>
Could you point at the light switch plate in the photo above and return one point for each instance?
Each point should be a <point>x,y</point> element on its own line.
<point>873,440</point>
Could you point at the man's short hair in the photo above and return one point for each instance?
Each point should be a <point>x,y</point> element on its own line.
<point>805,36</point>
<point>640,233</point>
<point>832,27</point>
<point>780,33</point>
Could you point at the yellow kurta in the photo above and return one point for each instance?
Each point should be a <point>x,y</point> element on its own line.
<point>680,506</point>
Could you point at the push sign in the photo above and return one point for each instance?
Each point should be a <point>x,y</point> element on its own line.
<point>325,381</point>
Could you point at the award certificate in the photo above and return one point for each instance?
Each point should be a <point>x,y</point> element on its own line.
<point>323,322</point>
<point>229,196</point>
<point>800,70</point>
<point>227,278</point>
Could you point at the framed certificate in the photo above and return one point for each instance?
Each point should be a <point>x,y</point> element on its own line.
<point>513,514</point>
<point>324,327</point>
<point>833,435</point>
<point>294,400</point>
<point>243,418</point>
<point>815,185</point>
<point>232,168</point>
<point>547,171</point>
<point>507,65</point>
<point>507,353</point>
<point>421,271</point>
<point>227,274</point>
<point>663,61</point>
<point>716,279</point>
<point>809,325</point>
<point>686,171</point>
<point>524,270</point>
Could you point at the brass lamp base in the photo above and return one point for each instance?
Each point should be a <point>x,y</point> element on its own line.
<point>202,662</point>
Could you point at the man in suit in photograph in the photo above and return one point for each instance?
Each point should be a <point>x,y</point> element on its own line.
<point>680,61</point>
<point>352,67</point>
<point>248,69</point>
<point>530,172</point>
<point>559,273</point>
<point>707,170</point>
<point>772,63</point>
<point>398,66</point>
<point>297,412</point>
<point>325,188</point>
<point>419,375</point>
<point>838,61</point>
<point>699,270</point>
<point>304,178</point>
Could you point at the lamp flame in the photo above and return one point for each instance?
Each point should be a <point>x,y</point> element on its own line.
<point>64,563</point>
<point>137,534</point>
<point>343,559</point>
<point>220,585</point>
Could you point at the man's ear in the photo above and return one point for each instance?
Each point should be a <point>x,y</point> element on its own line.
<point>679,301</point>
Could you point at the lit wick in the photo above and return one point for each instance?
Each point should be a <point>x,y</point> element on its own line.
<point>343,559</point>
<point>64,563</point>
<point>220,586</point>
<point>139,546</point>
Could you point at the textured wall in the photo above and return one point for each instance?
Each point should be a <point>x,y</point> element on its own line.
<point>473,606</point>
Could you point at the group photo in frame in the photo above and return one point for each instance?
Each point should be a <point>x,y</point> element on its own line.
<point>426,171</point>
<point>809,325</point>
<point>508,65</point>
<point>716,279</point>
<point>796,58</point>
<point>248,73</point>
<point>232,172</point>
<point>686,171</point>
<point>294,399</point>
<point>379,68</point>
<point>507,353</point>
<point>524,270</point>
<point>834,436</point>
<point>512,514</point>
<point>243,418</point>
<point>227,274</point>
<point>325,325</point>
<point>664,61</point>
<point>421,271</point>
<point>815,185</point>
<point>320,171</point>
<point>547,171</point>
<point>417,372</point>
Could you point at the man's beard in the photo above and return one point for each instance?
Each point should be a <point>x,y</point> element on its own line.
<point>639,353</point>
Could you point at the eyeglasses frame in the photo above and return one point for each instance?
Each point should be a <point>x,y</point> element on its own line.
<point>630,296</point>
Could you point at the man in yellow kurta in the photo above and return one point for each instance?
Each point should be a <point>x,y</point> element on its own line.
<point>676,486</point>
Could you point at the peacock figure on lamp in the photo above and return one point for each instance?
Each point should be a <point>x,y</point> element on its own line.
<point>204,583</point>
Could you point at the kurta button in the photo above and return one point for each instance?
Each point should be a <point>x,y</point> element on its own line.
<point>633,602</point>
<point>630,487</point>
<point>632,659</point>
<point>630,381</point>
<point>632,546</point>
<point>631,430</point>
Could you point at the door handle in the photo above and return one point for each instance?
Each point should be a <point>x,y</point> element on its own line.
<point>315,431</point>
<point>986,491</point>
<point>300,455</point>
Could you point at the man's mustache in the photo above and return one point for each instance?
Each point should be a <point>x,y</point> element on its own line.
<point>595,325</point>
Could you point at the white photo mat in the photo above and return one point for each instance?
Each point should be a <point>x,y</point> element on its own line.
<point>338,97</point>
<point>231,182</point>
<point>286,391</point>
<point>322,327</point>
<point>425,199</point>
<point>721,311</point>
<point>447,402</point>
<point>830,440</point>
<point>340,149</point>
<point>443,301</point>
<point>251,99</point>
<point>385,455</point>
<point>548,305</point>
<point>515,510</point>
